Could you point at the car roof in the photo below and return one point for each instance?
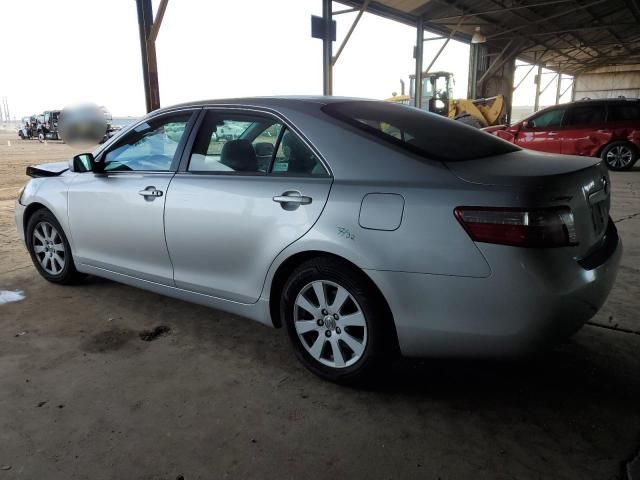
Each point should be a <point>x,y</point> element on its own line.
<point>288,101</point>
<point>586,101</point>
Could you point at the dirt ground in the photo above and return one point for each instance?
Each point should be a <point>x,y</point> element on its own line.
<point>83,396</point>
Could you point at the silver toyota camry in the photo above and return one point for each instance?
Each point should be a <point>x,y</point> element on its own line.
<point>365,228</point>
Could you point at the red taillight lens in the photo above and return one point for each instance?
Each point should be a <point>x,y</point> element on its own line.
<point>553,227</point>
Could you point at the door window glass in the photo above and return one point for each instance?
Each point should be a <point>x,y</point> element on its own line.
<point>151,146</point>
<point>585,115</point>
<point>624,112</point>
<point>295,158</point>
<point>550,119</point>
<point>234,144</point>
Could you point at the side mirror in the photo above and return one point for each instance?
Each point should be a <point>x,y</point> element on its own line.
<point>85,162</point>
<point>528,124</point>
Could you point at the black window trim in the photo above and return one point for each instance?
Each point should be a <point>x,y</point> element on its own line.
<point>109,146</point>
<point>247,110</point>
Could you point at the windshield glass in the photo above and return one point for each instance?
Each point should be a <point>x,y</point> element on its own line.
<point>426,134</point>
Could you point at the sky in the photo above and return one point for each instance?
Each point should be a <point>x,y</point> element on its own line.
<point>89,51</point>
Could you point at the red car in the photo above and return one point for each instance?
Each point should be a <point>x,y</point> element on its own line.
<point>609,129</point>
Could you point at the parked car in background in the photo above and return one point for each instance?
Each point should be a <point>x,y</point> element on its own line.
<point>47,127</point>
<point>609,129</point>
<point>366,228</point>
<point>27,127</point>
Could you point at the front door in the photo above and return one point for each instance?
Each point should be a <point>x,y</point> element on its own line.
<point>116,217</point>
<point>542,131</point>
<point>239,202</point>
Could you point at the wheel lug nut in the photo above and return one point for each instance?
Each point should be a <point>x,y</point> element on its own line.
<point>337,329</point>
<point>324,311</point>
<point>320,322</point>
<point>327,333</point>
<point>335,315</point>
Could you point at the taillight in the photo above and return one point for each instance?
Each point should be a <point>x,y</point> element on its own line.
<point>549,227</point>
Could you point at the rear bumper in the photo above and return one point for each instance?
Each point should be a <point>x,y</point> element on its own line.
<point>532,299</point>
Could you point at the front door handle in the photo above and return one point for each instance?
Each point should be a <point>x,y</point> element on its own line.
<point>292,199</point>
<point>150,193</point>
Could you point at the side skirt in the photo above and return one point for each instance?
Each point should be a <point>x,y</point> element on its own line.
<point>258,311</point>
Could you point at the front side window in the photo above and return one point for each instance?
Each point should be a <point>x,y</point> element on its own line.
<point>426,134</point>
<point>585,115</point>
<point>151,146</point>
<point>549,119</point>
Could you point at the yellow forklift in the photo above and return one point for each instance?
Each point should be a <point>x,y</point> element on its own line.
<point>437,93</point>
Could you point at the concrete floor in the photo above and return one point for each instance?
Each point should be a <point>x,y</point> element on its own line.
<point>82,396</point>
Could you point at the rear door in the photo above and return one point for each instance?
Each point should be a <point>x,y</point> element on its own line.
<point>116,217</point>
<point>542,131</point>
<point>238,200</point>
<point>583,127</point>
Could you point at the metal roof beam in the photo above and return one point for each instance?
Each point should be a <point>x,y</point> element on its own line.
<point>501,10</point>
<point>351,29</point>
<point>547,18</point>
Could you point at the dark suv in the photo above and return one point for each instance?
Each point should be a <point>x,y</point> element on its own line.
<point>609,129</point>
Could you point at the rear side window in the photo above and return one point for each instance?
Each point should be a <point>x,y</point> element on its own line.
<point>585,115</point>
<point>234,144</point>
<point>624,112</point>
<point>426,134</point>
<point>294,158</point>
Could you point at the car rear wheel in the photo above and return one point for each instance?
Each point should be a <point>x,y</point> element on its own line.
<point>335,321</point>
<point>619,155</point>
<point>49,248</point>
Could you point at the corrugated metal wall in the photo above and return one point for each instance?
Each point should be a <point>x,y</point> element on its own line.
<point>609,82</point>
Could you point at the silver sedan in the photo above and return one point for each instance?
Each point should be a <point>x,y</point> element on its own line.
<point>365,228</point>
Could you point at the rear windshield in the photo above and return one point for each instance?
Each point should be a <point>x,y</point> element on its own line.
<point>426,134</point>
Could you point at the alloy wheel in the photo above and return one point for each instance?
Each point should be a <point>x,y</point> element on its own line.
<point>48,247</point>
<point>619,156</point>
<point>330,324</point>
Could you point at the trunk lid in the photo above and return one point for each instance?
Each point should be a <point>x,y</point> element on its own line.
<point>546,180</point>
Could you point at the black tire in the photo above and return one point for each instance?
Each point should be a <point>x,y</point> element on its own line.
<point>620,155</point>
<point>68,273</point>
<point>380,335</point>
<point>469,120</point>
<point>21,135</point>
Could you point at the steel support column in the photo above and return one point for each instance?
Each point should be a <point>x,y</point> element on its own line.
<point>536,102</point>
<point>144,23</point>
<point>474,59</point>
<point>419,54</point>
<point>327,54</point>
<point>558,88</point>
<point>148,54</point>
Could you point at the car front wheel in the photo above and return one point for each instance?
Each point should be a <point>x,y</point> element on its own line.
<point>335,321</point>
<point>49,248</point>
<point>620,155</point>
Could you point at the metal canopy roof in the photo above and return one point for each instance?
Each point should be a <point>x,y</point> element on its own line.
<point>571,36</point>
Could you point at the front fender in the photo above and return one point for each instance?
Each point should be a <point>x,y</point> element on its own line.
<point>52,193</point>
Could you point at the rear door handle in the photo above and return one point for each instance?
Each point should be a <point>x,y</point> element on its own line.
<point>150,192</point>
<point>552,134</point>
<point>292,197</point>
